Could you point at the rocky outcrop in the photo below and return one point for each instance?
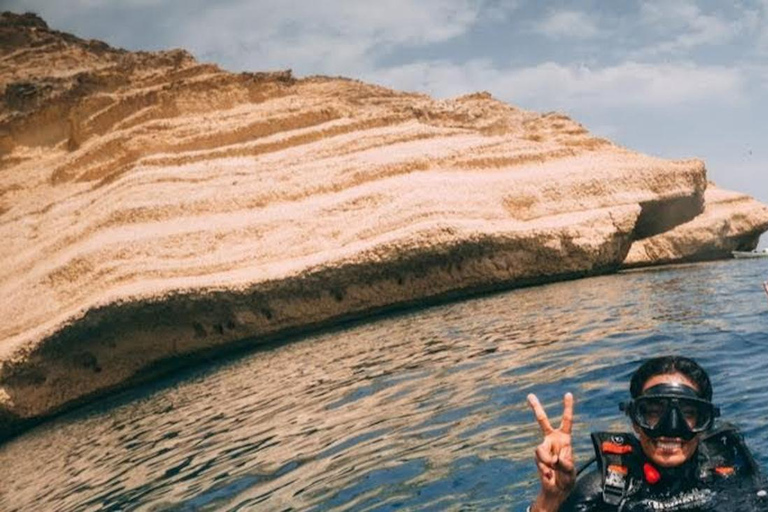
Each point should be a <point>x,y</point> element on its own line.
<point>154,209</point>
<point>730,222</point>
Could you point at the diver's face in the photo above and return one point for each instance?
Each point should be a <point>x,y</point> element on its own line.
<point>667,452</point>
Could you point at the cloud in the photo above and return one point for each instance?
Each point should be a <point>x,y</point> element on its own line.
<point>761,26</point>
<point>568,24</point>
<point>323,36</point>
<point>691,26</point>
<point>551,85</point>
<point>633,83</point>
<point>311,36</point>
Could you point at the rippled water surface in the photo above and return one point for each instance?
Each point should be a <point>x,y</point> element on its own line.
<point>423,410</point>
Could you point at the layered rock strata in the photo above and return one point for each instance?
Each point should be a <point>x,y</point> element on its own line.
<point>730,222</point>
<point>153,208</point>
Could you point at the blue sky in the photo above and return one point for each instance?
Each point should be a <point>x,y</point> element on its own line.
<point>673,78</point>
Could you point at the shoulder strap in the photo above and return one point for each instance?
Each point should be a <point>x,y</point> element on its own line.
<point>723,453</point>
<point>617,459</point>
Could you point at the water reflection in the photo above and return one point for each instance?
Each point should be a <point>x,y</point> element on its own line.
<point>424,410</point>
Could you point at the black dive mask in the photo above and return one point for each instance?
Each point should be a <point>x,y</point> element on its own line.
<point>671,410</point>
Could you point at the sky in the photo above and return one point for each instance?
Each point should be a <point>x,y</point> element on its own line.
<point>671,78</point>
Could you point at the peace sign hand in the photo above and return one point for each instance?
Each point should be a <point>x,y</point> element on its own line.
<point>554,456</point>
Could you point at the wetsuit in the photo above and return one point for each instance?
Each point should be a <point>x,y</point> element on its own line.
<point>722,476</point>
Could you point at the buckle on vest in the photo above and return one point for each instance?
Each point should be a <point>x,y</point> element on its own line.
<point>615,484</point>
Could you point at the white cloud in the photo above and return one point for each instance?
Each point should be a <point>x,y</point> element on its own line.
<point>551,85</point>
<point>761,25</point>
<point>311,36</point>
<point>689,26</point>
<point>634,83</point>
<point>322,36</point>
<point>568,24</point>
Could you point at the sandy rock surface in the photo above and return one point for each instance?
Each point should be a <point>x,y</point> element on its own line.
<point>154,208</point>
<point>731,221</point>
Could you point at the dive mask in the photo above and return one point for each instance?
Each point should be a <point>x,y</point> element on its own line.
<point>671,410</point>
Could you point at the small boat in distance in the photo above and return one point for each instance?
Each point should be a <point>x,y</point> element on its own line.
<point>750,254</point>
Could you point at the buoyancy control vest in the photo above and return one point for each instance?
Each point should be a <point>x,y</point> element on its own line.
<point>723,464</point>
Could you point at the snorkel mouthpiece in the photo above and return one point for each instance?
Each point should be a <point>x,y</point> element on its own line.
<point>671,410</point>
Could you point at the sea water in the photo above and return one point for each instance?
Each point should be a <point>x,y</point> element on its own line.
<point>419,410</point>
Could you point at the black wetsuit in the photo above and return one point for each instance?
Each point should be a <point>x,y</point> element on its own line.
<point>722,476</point>
<point>681,492</point>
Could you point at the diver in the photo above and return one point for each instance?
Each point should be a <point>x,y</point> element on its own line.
<point>678,458</point>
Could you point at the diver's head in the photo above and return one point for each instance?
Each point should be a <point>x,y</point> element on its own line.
<point>670,408</point>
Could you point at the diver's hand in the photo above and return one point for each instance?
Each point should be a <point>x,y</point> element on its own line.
<point>554,457</point>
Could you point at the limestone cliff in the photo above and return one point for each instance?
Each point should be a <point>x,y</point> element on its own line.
<point>153,208</point>
<point>730,222</point>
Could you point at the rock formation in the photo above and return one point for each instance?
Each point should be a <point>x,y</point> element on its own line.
<point>154,209</point>
<point>730,222</point>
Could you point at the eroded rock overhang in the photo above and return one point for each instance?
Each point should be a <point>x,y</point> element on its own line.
<point>731,221</point>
